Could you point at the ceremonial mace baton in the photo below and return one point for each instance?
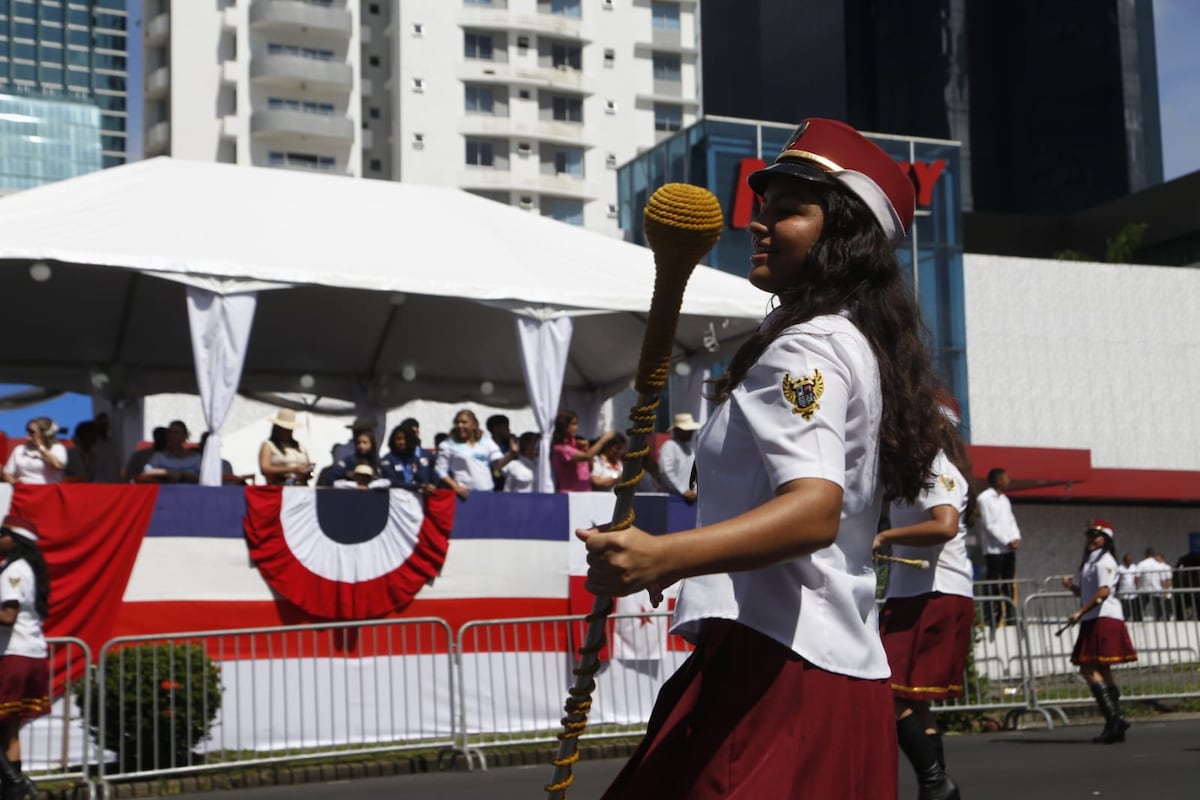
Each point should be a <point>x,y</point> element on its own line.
<point>682,223</point>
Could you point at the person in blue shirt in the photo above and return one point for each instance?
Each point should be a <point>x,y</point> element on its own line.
<point>405,463</point>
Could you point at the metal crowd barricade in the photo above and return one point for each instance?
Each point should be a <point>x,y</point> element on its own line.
<point>1168,664</point>
<point>994,679</point>
<point>514,675</point>
<point>286,693</point>
<point>57,747</point>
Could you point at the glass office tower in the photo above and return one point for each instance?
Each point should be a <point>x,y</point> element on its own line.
<point>72,48</point>
<point>44,140</point>
<point>717,153</point>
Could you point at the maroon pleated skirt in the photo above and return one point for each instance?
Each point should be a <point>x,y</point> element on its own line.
<point>745,718</point>
<point>24,687</point>
<point>927,638</point>
<point>1103,641</point>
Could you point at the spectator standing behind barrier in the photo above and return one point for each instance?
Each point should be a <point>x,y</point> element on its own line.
<point>1001,539</point>
<point>24,656</point>
<point>498,428</point>
<point>571,457</point>
<point>91,460</point>
<point>520,473</point>
<point>927,620</point>
<point>140,458</point>
<point>1153,577</point>
<point>404,464</point>
<point>1131,606</point>
<point>40,458</point>
<point>1103,638</point>
<point>676,457</point>
<point>346,450</point>
<point>176,463</point>
<point>363,476</point>
<point>282,460</point>
<point>607,467</point>
<point>465,460</point>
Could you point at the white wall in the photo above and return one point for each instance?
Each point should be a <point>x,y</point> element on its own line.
<point>1103,357</point>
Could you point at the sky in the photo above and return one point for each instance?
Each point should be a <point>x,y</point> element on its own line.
<point>1176,33</point>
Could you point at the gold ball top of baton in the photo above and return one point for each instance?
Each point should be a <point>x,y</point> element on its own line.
<point>680,214</point>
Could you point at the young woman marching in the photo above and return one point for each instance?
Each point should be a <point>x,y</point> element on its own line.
<point>1103,638</point>
<point>927,619</point>
<point>24,657</point>
<point>829,408</point>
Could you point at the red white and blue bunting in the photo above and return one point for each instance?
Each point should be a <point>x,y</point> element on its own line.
<point>347,567</point>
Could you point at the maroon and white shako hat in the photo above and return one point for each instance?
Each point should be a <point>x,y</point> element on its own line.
<point>1101,526</point>
<point>826,150</point>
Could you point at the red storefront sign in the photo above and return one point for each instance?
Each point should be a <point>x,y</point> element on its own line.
<point>924,176</point>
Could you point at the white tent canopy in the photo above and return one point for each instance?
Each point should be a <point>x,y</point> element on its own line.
<point>380,292</point>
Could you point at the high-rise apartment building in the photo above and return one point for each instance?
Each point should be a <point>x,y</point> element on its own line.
<point>1055,104</point>
<point>256,82</point>
<point>71,48</point>
<point>529,102</point>
<point>46,139</point>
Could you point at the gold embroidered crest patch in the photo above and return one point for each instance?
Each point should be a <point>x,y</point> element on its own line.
<point>14,582</point>
<point>947,482</point>
<point>804,392</point>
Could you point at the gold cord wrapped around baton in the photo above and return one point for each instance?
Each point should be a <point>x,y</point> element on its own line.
<point>682,223</point>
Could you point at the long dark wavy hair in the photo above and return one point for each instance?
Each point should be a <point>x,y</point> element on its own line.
<point>41,574</point>
<point>852,268</point>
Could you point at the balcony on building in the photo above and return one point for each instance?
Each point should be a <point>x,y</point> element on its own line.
<point>299,72</point>
<point>158,29</point>
<point>158,82</point>
<point>504,73</point>
<point>300,126</point>
<point>486,179</point>
<point>551,131</point>
<point>500,19</point>
<point>158,139</point>
<point>302,17</point>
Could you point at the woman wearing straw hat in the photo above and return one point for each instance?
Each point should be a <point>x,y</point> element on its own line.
<point>1103,638</point>
<point>282,460</point>
<point>24,656</point>
<point>676,457</point>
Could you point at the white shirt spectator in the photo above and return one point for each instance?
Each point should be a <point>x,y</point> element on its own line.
<point>1152,575</point>
<point>24,637</point>
<point>999,523</point>
<point>469,464</point>
<point>519,475</point>
<point>26,464</point>
<point>675,460</point>
<point>1127,580</point>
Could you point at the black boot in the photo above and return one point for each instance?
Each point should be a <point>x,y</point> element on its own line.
<point>1119,723</point>
<point>932,781</point>
<point>16,785</point>
<point>935,739</point>
<point>1114,724</point>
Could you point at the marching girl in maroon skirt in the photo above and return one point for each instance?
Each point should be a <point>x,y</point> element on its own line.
<point>928,616</point>
<point>825,412</point>
<point>24,664</point>
<point>1103,638</point>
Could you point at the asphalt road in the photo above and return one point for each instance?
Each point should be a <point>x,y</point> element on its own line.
<point>1161,759</point>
